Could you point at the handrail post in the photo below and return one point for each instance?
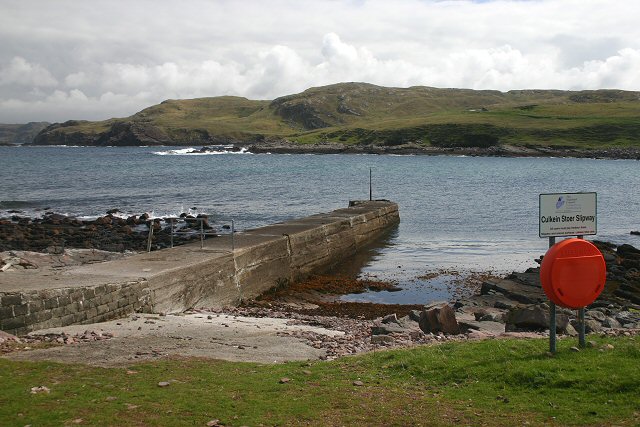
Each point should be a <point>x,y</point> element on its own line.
<point>201,233</point>
<point>150,222</point>
<point>171,225</point>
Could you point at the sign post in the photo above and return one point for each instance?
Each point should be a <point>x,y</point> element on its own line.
<point>574,272</point>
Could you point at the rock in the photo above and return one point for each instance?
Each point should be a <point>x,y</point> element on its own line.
<point>284,380</point>
<point>534,318</point>
<point>575,349</point>
<point>610,322</point>
<point>571,331</point>
<point>626,318</point>
<point>358,383</point>
<point>596,315</point>
<point>608,347</point>
<point>439,318</point>
<point>382,339</point>
<point>104,220</point>
<point>5,336</point>
<point>635,233</point>
<point>590,325</point>
<point>480,313</point>
<point>414,315</point>
<point>389,328</point>
<point>40,389</point>
<point>391,324</point>
<point>164,384</point>
<point>513,290</point>
<point>390,319</point>
<point>486,327</point>
<point>627,250</point>
<point>478,335</point>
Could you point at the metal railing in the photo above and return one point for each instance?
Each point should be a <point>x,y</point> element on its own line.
<point>201,232</point>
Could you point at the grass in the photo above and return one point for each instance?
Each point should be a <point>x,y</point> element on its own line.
<point>497,382</point>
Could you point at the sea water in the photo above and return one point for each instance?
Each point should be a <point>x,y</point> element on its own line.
<point>458,214</point>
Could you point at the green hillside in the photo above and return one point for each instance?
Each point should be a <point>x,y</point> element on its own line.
<point>365,114</point>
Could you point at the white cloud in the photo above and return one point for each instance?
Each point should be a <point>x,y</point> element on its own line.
<point>61,61</point>
<point>21,72</point>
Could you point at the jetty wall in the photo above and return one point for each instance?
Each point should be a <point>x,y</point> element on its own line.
<point>273,256</point>
<point>218,274</point>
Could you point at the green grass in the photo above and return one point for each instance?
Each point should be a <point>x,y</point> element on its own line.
<point>502,382</point>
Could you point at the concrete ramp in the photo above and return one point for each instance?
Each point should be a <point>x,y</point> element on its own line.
<point>188,276</point>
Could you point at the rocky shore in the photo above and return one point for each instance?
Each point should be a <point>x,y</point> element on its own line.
<point>500,307</point>
<point>112,232</point>
<point>312,313</point>
<point>287,147</point>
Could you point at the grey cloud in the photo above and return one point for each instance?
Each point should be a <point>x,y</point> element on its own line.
<point>20,72</point>
<point>92,60</point>
<point>574,51</point>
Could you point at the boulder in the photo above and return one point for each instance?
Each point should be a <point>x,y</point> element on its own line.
<point>388,325</point>
<point>596,315</point>
<point>490,328</point>
<point>626,250</point>
<point>534,318</point>
<point>104,220</point>
<point>590,325</point>
<point>439,318</point>
<point>514,290</point>
<point>610,322</point>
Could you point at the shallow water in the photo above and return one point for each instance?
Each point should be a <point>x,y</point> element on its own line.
<point>467,213</point>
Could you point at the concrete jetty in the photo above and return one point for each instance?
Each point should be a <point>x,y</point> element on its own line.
<point>188,276</point>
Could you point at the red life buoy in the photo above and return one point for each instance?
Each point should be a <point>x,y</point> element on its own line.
<point>573,273</point>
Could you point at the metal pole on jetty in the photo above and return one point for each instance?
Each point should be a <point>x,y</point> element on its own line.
<point>370,186</point>
<point>233,236</point>
<point>201,233</point>
<point>150,223</point>
<point>171,225</point>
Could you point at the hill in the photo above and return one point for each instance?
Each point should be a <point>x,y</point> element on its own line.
<point>13,134</point>
<point>365,115</point>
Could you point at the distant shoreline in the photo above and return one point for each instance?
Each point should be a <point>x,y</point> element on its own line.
<point>414,149</point>
<point>286,147</point>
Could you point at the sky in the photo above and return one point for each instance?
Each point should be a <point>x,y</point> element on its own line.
<point>94,59</point>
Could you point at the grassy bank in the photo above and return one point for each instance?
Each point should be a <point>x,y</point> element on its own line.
<point>505,382</point>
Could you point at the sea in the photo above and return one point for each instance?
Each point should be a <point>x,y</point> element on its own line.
<point>461,216</point>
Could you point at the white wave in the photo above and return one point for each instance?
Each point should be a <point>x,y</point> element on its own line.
<point>226,149</point>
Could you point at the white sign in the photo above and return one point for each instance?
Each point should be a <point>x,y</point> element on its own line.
<point>568,214</point>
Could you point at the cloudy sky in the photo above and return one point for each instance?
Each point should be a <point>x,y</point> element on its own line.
<point>63,60</point>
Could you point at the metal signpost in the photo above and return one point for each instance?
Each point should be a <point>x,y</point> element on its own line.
<point>566,214</point>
